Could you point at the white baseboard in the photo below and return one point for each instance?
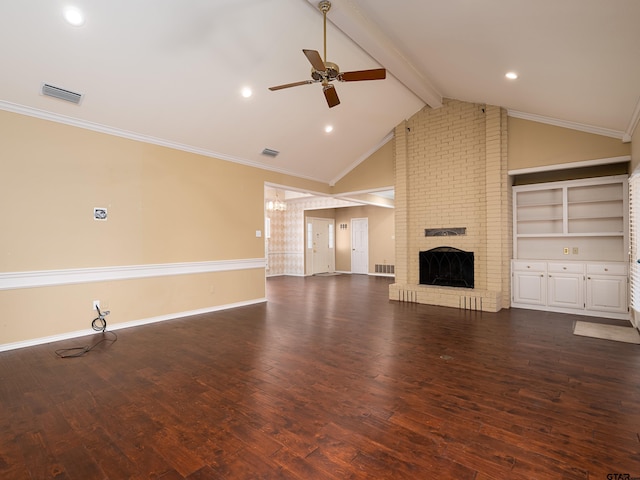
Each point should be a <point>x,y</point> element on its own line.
<point>123,325</point>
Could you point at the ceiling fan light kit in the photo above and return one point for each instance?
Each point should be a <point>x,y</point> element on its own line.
<point>324,72</point>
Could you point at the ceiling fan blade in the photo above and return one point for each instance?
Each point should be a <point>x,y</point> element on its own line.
<point>331,95</point>
<point>315,60</point>
<point>289,85</point>
<point>375,74</point>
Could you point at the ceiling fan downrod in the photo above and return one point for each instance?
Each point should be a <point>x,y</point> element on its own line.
<point>325,6</point>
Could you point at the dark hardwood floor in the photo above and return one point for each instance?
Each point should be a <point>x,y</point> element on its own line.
<point>328,380</point>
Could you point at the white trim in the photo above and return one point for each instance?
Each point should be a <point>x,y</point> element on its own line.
<point>573,311</point>
<point>633,123</point>
<point>564,166</point>
<point>43,278</point>
<point>118,326</point>
<point>96,127</point>
<point>607,132</point>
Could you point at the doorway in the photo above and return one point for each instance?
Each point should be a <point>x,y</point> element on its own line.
<point>360,245</point>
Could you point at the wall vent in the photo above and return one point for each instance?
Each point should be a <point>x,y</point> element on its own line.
<point>407,296</point>
<point>389,269</point>
<point>470,303</point>
<point>270,152</point>
<point>61,93</point>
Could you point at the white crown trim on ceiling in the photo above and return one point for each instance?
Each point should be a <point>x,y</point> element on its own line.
<point>567,124</point>
<point>96,127</point>
<point>565,166</point>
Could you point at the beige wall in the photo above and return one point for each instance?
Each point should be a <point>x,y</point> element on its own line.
<point>376,172</point>
<point>381,236</point>
<point>165,206</point>
<point>533,144</point>
<point>168,206</point>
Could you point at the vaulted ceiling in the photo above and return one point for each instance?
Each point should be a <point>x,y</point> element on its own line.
<point>171,72</point>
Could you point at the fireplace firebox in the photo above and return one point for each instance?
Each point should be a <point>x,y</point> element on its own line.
<point>446,267</point>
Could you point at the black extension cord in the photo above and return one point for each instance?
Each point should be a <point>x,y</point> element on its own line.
<point>99,324</point>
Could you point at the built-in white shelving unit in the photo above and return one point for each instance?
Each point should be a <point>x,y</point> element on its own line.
<point>570,244</point>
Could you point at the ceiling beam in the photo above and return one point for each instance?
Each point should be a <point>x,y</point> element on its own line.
<point>345,15</point>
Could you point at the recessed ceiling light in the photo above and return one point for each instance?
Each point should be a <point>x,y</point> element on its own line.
<point>74,16</point>
<point>328,128</point>
<point>511,75</point>
<point>246,92</point>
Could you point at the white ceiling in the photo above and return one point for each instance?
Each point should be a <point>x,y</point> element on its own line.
<point>171,71</point>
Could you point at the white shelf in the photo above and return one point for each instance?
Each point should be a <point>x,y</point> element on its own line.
<point>587,216</point>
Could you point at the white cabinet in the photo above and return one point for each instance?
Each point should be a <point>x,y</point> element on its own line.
<point>607,287</point>
<point>529,283</point>
<point>594,288</point>
<point>566,285</point>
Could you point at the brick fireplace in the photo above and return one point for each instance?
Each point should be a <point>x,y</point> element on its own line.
<point>451,171</point>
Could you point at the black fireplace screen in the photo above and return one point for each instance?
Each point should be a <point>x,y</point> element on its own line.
<point>446,266</point>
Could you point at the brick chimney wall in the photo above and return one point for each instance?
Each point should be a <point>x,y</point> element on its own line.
<point>451,171</point>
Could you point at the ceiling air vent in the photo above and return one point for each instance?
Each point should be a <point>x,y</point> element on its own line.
<point>61,93</point>
<point>270,153</point>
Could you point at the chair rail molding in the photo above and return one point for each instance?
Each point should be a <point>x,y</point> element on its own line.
<point>43,278</point>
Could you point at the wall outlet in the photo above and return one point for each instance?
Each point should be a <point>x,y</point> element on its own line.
<point>575,250</point>
<point>565,250</point>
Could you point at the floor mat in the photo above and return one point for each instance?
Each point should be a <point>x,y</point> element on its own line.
<point>607,332</point>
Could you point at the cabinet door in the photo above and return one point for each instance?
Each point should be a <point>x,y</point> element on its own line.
<point>566,290</point>
<point>529,288</point>
<point>607,293</point>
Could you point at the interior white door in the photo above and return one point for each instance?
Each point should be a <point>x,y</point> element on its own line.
<point>323,251</point>
<point>360,245</point>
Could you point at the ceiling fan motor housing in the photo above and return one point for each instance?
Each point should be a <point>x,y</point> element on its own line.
<point>331,72</point>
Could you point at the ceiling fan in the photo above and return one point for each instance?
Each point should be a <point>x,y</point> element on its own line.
<point>325,72</point>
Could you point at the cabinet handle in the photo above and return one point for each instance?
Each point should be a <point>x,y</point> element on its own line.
<point>564,268</point>
<point>588,278</point>
<point>606,269</point>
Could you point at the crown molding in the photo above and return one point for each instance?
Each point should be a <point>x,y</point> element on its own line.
<point>633,123</point>
<point>97,127</point>
<point>567,124</point>
<point>566,166</point>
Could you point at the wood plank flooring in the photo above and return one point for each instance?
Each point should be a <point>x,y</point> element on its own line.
<point>328,380</point>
